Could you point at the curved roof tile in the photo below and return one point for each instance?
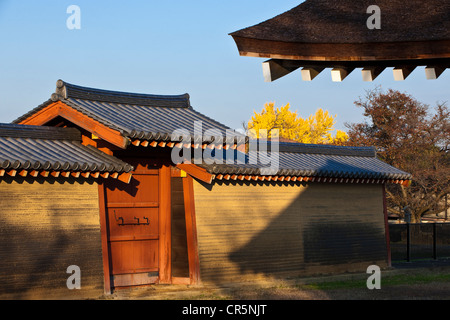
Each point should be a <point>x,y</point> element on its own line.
<point>51,148</point>
<point>137,116</point>
<point>297,159</point>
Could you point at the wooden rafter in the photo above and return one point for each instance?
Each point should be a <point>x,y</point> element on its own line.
<point>60,109</point>
<point>382,51</point>
<point>371,69</point>
<point>402,72</point>
<point>275,69</point>
<point>433,72</point>
<point>291,179</point>
<point>171,144</point>
<point>339,74</point>
<point>371,73</point>
<point>124,177</point>
<point>309,73</point>
<point>196,172</point>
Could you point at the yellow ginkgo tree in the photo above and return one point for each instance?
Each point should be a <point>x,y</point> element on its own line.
<point>316,129</point>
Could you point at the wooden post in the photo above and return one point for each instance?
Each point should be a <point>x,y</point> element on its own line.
<point>446,207</point>
<point>386,227</point>
<point>434,241</point>
<point>191,229</point>
<point>165,256</point>
<point>408,241</point>
<point>104,238</point>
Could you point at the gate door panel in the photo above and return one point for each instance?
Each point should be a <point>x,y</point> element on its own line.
<point>133,237</point>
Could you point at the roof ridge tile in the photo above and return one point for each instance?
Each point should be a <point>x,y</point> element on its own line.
<point>65,90</point>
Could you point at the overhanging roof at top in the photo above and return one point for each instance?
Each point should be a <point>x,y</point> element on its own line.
<point>320,34</point>
<point>122,118</point>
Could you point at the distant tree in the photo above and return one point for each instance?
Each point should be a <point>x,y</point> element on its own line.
<point>413,138</point>
<point>316,129</point>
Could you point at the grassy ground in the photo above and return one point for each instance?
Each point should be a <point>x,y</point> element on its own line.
<point>410,283</point>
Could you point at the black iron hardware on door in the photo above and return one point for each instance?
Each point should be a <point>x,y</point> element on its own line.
<point>121,221</point>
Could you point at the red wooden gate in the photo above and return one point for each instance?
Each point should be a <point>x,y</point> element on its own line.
<point>132,214</point>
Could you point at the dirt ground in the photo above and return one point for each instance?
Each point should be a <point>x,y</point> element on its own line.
<point>342,288</point>
<point>431,291</point>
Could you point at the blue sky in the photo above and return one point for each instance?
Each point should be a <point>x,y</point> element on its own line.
<point>169,47</point>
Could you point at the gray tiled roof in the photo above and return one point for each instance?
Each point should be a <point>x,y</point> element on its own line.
<point>136,116</point>
<point>156,117</point>
<point>295,159</point>
<point>50,148</point>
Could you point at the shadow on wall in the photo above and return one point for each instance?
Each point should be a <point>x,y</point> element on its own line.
<point>41,238</point>
<point>327,228</point>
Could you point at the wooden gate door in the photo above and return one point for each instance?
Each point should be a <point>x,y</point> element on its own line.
<point>132,212</point>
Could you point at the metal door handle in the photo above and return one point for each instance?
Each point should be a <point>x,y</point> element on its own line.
<point>121,221</point>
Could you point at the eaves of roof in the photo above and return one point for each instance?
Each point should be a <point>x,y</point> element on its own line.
<point>320,34</point>
<point>41,151</point>
<point>299,162</point>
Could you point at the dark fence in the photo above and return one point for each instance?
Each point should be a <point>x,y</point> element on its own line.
<point>419,241</point>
